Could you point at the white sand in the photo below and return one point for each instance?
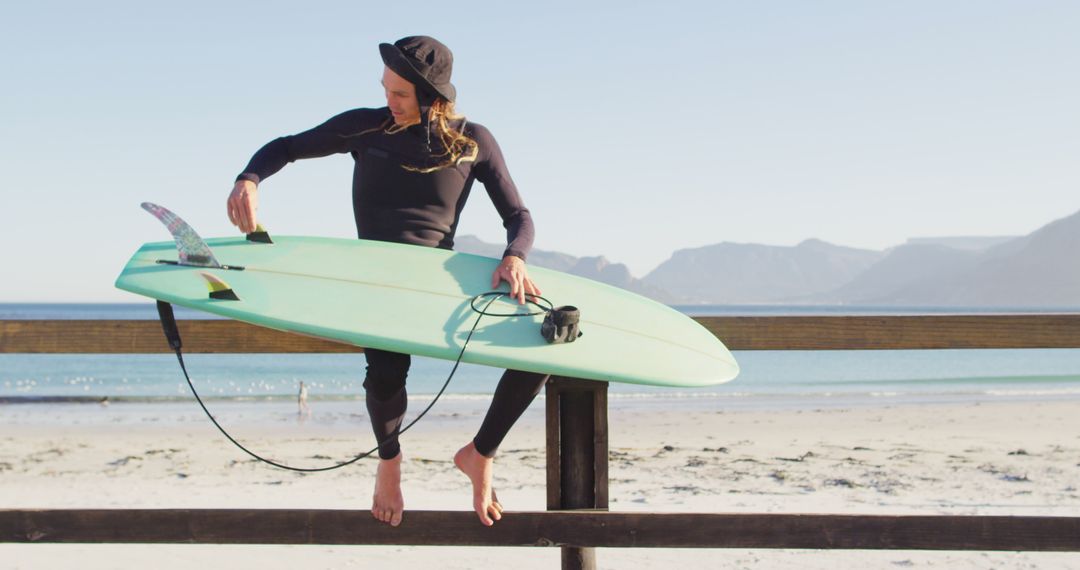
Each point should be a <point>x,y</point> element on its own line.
<point>1007,458</point>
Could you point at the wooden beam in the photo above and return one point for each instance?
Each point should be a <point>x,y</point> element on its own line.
<point>577,451</point>
<point>738,333</point>
<point>552,528</point>
<point>896,332</point>
<point>145,336</point>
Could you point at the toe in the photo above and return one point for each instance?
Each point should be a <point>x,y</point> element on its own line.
<point>484,518</point>
<point>395,519</point>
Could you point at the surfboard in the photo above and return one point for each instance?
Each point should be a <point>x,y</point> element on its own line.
<point>420,300</point>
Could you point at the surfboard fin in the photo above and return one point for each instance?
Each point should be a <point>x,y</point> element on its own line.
<point>260,235</point>
<point>190,247</point>
<point>219,289</point>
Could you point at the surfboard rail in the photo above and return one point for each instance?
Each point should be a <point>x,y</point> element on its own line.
<point>421,301</point>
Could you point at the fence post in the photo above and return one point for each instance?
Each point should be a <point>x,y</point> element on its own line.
<point>577,454</point>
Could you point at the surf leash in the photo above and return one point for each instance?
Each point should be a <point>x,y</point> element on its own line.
<point>172,334</point>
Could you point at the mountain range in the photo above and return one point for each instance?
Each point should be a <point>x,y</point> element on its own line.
<point>1038,270</point>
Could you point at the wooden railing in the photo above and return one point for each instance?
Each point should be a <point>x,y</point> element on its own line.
<point>896,332</point>
<point>577,450</point>
<point>544,528</point>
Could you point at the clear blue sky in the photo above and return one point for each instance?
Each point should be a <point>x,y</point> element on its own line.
<point>632,129</point>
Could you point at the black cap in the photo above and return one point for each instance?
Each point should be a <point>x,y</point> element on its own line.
<point>423,61</point>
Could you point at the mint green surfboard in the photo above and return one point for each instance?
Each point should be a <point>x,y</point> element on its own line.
<point>417,300</point>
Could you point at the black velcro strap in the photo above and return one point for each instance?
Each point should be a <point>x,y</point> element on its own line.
<point>168,324</point>
<point>561,325</point>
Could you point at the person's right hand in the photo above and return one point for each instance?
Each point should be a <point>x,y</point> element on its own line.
<point>242,204</point>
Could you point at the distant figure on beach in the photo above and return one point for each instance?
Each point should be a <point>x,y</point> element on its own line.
<point>416,160</point>
<point>301,401</point>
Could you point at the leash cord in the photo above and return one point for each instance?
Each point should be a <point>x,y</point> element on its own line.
<point>168,322</point>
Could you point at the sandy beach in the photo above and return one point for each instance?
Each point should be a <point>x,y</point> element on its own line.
<point>1017,458</point>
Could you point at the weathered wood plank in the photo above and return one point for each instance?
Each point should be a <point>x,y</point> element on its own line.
<point>600,443</point>
<point>738,333</point>
<point>578,474</point>
<point>552,444</point>
<point>896,332</point>
<point>145,336</point>
<point>560,528</point>
<point>577,437</point>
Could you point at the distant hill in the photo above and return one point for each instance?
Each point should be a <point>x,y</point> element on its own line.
<point>731,273</point>
<point>900,268</point>
<point>970,243</point>
<point>1041,269</point>
<point>596,268</point>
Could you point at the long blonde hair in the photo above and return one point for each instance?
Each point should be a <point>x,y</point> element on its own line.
<point>458,147</point>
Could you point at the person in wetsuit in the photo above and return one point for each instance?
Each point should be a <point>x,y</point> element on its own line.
<point>415,163</point>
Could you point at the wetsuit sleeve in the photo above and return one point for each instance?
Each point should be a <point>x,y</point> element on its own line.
<point>491,171</point>
<point>332,137</point>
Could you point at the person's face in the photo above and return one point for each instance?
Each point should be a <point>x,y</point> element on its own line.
<point>401,98</point>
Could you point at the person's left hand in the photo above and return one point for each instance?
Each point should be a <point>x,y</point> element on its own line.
<point>512,270</point>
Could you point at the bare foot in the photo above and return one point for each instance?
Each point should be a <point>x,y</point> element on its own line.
<point>387,504</point>
<point>478,468</point>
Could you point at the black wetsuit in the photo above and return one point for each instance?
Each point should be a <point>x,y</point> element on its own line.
<point>392,203</point>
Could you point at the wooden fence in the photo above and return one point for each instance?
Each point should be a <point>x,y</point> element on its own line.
<point>577,519</point>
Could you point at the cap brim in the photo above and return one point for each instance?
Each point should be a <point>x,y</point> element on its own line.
<point>399,64</point>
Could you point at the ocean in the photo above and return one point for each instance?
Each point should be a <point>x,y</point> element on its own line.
<point>769,379</point>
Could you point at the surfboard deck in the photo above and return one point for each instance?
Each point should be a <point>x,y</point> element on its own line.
<point>416,300</point>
